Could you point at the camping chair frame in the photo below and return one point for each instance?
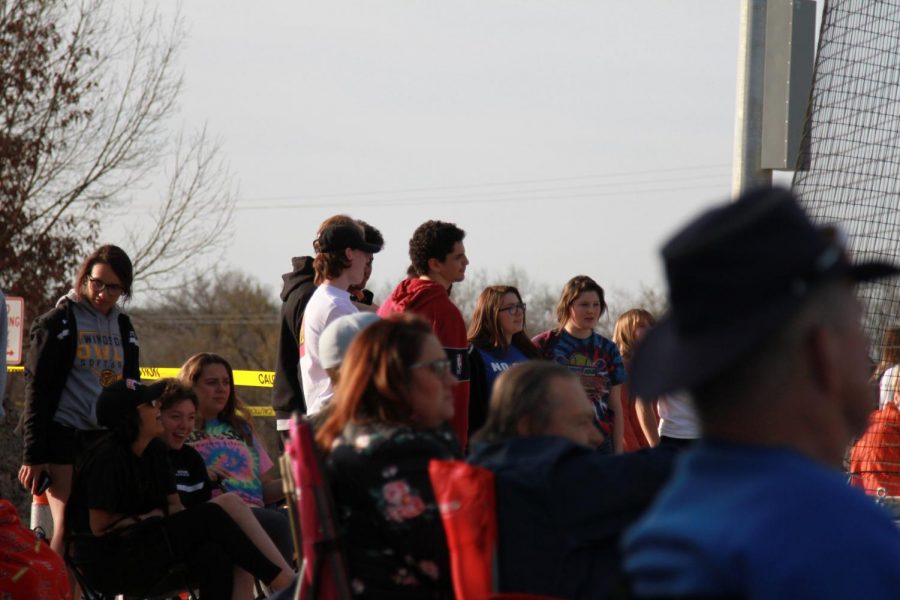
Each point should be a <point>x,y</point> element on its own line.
<point>323,571</point>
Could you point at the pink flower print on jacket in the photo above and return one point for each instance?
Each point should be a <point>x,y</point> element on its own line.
<point>430,569</point>
<point>400,502</point>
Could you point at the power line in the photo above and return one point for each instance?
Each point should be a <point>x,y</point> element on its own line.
<point>477,185</point>
<point>602,186</point>
<point>481,200</point>
<point>486,194</point>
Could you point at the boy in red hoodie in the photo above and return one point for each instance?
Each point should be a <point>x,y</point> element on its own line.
<point>438,260</point>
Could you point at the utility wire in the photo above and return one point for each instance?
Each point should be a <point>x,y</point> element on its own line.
<point>487,184</point>
<point>518,197</point>
<point>241,202</point>
<point>600,186</point>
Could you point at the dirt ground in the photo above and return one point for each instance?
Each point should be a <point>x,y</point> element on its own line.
<point>11,452</point>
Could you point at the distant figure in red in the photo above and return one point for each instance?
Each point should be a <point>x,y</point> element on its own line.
<point>28,567</point>
<point>630,327</point>
<point>875,458</point>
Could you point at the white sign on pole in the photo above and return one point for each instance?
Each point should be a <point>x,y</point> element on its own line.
<point>15,309</point>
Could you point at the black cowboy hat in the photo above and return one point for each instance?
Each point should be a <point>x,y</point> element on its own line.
<point>735,275</point>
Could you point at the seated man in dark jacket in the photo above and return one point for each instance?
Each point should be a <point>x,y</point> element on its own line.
<point>561,506</point>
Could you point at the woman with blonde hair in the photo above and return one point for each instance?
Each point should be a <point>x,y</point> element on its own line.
<point>497,340</point>
<point>595,359</point>
<point>388,421</point>
<point>669,420</point>
<point>630,327</point>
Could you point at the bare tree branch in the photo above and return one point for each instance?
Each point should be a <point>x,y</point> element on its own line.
<point>194,216</point>
<point>87,94</point>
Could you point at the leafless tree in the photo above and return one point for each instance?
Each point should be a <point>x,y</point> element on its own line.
<point>227,313</point>
<point>193,217</point>
<point>89,90</point>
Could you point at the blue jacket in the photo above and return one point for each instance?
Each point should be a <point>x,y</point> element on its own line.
<point>561,509</point>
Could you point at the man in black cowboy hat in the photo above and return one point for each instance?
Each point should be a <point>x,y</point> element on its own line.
<point>764,332</point>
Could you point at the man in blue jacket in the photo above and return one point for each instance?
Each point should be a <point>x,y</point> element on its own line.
<point>764,330</point>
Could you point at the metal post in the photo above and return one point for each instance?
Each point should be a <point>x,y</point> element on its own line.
<point>746,171</point>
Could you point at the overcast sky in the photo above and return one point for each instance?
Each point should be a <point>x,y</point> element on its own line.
<point>564,137</point>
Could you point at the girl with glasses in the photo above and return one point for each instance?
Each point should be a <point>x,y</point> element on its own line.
<point>497,340</point>
<point>389,419</point>
<point>81,345</point>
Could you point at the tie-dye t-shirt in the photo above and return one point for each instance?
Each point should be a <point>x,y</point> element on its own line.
<point>222,446</point>
<point>596,361</point>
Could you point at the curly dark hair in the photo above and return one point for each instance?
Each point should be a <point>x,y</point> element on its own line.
<point>432,239</point>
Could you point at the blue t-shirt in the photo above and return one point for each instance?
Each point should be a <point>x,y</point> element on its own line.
<point>596,361</point>
<point>497,361</point>
<point>759,523</point>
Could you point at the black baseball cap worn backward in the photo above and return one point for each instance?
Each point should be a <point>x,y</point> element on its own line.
<point>735,275</point>
<point>124,396</point>
<point>337,238</point>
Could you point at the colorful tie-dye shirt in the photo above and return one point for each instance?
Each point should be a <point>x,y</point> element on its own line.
<point>597,362</point>
<point>221,446</point>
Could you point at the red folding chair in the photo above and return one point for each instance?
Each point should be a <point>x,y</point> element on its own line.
<point>468,503</point>
<point>323,572</point>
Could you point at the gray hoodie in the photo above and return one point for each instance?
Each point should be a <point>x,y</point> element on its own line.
<point>98,362</point>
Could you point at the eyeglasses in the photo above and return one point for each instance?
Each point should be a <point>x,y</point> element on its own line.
<point>439,367</point>
<point>112,289</point>
<point>514,308</point>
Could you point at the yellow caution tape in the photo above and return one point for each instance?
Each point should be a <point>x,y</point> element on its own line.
<point>262,411</point>
<point>158,372</point>
<point>241,378</point>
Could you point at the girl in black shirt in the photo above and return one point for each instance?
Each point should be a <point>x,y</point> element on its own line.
<point>126,526</point>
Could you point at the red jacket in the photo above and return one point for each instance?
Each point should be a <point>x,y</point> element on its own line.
<point>875,458</point>
<point>28,567</point>
<point>431,301</point>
